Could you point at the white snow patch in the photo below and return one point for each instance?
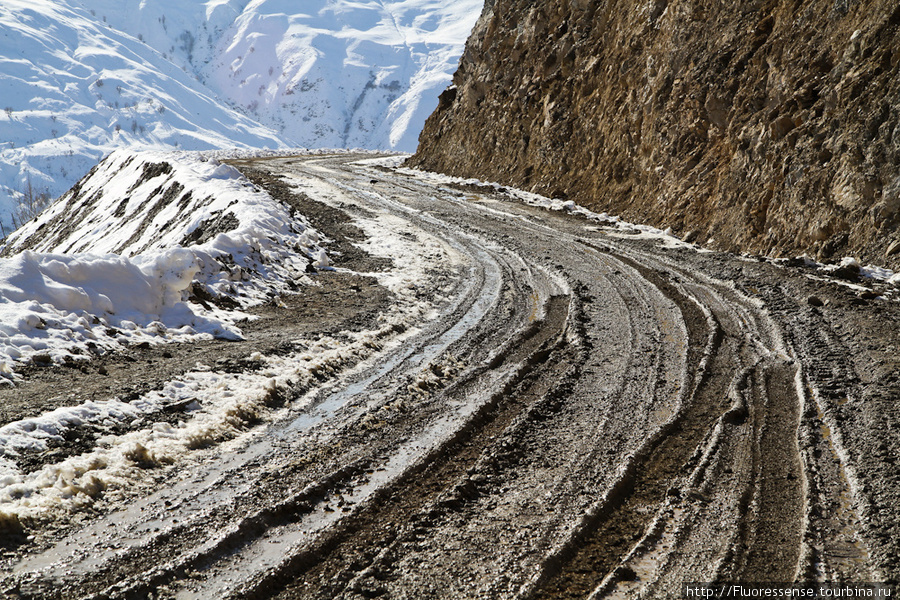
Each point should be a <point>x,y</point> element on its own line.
<point>412,252</point>
<point>116,260</point>
<point>825,273</point>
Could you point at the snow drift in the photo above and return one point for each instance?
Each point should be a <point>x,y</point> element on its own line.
<point>126,255</point>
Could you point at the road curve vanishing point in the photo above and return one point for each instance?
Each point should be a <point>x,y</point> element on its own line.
<point>582,414</point>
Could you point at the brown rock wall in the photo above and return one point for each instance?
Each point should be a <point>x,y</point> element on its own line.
<point>766,126</point>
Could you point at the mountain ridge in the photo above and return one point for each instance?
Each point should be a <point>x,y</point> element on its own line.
<point>79,80</point>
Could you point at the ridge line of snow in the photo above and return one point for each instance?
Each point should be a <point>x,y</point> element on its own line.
<point>120,258</point>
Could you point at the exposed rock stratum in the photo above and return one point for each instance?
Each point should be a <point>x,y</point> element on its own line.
<point>763,126</point>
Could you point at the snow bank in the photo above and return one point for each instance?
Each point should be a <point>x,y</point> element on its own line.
<point>122,257</point>
<point>55,307</point>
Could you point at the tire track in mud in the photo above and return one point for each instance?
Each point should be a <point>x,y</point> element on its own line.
<point>543,417</point>
<point>639,424</point>
<point>620,549</point>
<point>651,476</point>
<point>327,568</point>
<point>770,537</point>
<point>539,341</point>
<point>604,536</point>
<point>833,545</point>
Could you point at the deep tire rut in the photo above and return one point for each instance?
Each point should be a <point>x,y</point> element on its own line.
<point>580,413</point>
<point>605,537</point>
<point>326,569</point>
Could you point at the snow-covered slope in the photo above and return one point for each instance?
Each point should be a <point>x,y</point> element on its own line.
<point>325,73</point>
<point>140,250</point>
<point>79,79</point>
<point>73,89</point>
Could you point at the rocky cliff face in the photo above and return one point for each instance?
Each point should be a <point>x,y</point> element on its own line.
<point>764,126</point>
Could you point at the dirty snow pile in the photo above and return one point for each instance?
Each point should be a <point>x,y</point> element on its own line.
<point>140,251</point>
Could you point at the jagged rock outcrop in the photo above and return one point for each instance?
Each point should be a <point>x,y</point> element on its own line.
<point>767,126</point>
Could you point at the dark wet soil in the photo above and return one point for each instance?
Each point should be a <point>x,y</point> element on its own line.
<point>796,371</point>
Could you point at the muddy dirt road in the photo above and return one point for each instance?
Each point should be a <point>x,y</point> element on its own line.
<point>550,408</point>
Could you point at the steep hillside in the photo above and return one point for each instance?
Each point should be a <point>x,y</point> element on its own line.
<point>79,79</point>
<point>767,126</point>
<point>322,73</point>
<point>147,247</point>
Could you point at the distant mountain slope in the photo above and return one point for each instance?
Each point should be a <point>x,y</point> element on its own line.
<point>80,79</point>
<point>72,89</point>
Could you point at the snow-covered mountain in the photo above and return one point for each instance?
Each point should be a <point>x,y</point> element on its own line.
<point>79,79</point>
